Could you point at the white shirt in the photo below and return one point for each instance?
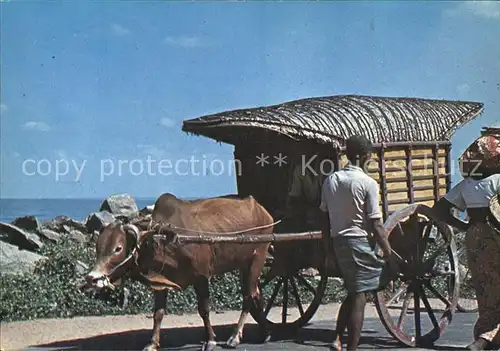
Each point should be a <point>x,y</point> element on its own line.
<point>471,193</point>
<point>350,197</point>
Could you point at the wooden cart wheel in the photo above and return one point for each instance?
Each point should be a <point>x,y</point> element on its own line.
<point>292,297</point>
<point>425,279</point>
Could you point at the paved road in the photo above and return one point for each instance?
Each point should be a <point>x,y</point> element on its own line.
<point>313,337</point>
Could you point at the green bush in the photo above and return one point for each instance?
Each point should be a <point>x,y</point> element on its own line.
<point>52,290</point>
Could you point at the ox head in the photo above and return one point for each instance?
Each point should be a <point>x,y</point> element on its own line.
<point>116,249</point>
<point>117,253</point>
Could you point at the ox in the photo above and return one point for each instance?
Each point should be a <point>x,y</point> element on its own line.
<point>123,250</point>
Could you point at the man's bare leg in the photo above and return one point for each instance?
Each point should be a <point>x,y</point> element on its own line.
<point>356,318</point>
<point>342,320</point>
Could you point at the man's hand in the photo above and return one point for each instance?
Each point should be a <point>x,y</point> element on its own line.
<point>381,238</point>
<point>386,254</point>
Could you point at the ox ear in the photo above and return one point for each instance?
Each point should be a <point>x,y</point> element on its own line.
<point>133,236</point>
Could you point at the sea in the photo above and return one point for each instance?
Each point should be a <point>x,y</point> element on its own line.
<point>46,209</point>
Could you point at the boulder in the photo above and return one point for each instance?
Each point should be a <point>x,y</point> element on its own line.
<point>29,223</point>
<point>64,224</point>
<point>81,269</point>
<point>120,205</point>
<point>49,235</point>
<point>19,237</point>
<point>15,261</point>
<point>97,221</point>
<point>146,211</point>
<point>142,222</point>
<point>78,236</point>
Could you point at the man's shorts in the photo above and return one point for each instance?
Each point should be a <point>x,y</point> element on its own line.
<point>360,268</point>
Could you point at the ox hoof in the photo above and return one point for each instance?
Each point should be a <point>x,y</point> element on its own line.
<point>151,347</point>
<point>233,341</point>
<point>209,346</point>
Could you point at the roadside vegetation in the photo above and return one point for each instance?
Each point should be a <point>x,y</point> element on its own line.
<point>52,290</point>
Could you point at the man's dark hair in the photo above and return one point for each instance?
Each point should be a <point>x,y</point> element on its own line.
<point>357,147</point>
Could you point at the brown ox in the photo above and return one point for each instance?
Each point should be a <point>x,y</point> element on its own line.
<point>164,265</point>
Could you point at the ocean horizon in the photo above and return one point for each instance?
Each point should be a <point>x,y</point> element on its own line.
<point>46,209</point>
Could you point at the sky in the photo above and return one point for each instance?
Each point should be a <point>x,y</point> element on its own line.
<point>92,91</point>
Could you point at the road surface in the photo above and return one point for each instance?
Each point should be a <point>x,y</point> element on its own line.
<point>186,332</point>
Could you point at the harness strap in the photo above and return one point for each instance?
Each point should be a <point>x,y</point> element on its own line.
<point>161,226</point>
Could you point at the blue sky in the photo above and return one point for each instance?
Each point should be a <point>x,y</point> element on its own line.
<point>93,81</point>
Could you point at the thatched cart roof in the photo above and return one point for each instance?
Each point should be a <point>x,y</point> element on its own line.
<point>491,130</point>
<point>332,119</point>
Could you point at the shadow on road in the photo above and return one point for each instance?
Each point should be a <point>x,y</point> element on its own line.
<point>190,338</point>
<point>171,339</point>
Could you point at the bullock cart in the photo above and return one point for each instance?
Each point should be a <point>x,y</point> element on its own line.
<point>413,165</point>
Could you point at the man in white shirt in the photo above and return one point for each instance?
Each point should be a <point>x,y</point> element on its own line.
<point>349,199</point>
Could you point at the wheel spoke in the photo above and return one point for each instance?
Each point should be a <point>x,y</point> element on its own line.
<point>416,302</point>
<point>404,310</point>
<point>273,297</point>
<point>438,294</point>
<point>285,301</point>
<point>268,279</point>
<point>295,291</point>
<point>424,240</point>
<point>414,234</point>
<point>430,312</point>
<point>398,293</point>
<point>306,283</point>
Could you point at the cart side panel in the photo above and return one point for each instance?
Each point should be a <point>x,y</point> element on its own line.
<point>268,183</point>
<point>410,174</point>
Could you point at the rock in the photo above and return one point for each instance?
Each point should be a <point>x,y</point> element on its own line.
<point>78,236</point>
<point>97,221</point>
<point>15,261</point>
<point>29,223</point>
<point>64,224</point>
<point>81,268</point>
<point>120,205</point>
<point>142,223</point>
<point>49,235</point>
<point>125,298</point>
<point>19,237</point>
<point>146,210</point>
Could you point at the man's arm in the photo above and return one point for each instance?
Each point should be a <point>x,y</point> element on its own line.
<point>381,236</point>
<point>325,220</point>
<point>442,210</point>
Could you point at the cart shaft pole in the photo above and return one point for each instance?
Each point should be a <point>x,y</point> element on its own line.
<point>196,238</point>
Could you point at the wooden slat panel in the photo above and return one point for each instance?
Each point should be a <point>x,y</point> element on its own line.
<point>397,185</point>
<point>442,191</point>
<point>393,208</point>
<point>424,193</point>
<point>398,196</point>
<point>428,182</point>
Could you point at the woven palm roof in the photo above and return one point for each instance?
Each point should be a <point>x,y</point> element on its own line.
<point>333,119</point>
<point>492,129</point>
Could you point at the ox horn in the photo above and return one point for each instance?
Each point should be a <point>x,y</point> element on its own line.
<point>132,228</point>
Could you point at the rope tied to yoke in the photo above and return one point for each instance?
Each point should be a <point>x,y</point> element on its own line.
<point>160,227</point>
